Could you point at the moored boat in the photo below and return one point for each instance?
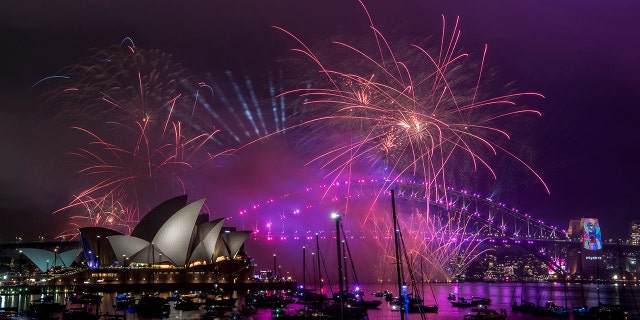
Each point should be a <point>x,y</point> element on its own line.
<point>367,304</point>
<point>124,301</point>
<point>187,305</point>
<point>414,306</point>
<point>80,314</point>
<point>220,301</point>
<point>550,310</point>
<point>480,301</point>
<point>420,308</point>
<point>152,305</point>
<point>85,298</point>
<point>461,302</point>
<point>263,300</point>
<point>488,314</point>
<point>609,311</point>
<point>523,307</point>
<point>44,308</point>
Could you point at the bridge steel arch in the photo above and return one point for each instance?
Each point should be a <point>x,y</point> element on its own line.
<point>499,221</point>
<point>489,218</point>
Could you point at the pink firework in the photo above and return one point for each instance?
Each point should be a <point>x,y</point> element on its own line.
<point>147,129</point>
<point>420,113</point>
<point>125,84</point>
<point>410,113</point>
<point>103,212</point>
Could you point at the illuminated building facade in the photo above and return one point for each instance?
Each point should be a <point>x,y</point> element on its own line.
<point>634,233</point>
<point>172,245</point>
<point>588,259</point>
<point>173,234</point>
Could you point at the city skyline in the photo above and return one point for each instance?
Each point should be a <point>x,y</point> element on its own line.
<point>580,58</point>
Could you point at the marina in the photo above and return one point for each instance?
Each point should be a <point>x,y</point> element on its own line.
<point>238,304</point>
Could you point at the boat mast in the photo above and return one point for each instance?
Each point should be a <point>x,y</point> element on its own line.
<point>304,278</point>
<point>345,263</point>
<point>339,247</point>
<point>304,274</point>
<point>396,232</point>
<point>348,256</point>
<point>319,270</point>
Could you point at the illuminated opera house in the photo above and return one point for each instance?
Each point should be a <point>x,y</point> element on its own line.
<point>173,244</point>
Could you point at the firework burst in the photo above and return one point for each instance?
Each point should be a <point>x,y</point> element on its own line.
<point>147,125</point>
<point>104,212</point>
<point>420,113</point>
<point>409,112</point>
<point>446,244</point>
<point>121,83</point>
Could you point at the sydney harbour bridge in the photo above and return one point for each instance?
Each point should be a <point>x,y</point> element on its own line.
<point>491,219</point>
<point>289,217</point>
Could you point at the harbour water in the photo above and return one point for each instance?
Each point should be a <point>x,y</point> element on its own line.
<point>501,295</point>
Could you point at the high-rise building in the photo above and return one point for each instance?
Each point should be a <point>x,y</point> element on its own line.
<point>588,259</point>
<point>575,231</point>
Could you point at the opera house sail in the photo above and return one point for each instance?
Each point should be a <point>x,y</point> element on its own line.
<point>172,244</point>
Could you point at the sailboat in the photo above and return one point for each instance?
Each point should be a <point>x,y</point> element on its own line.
<point>410,303</point>
<point>524,306</point>
<point>605,310</point>
<point>415,301</point>
<point>318,293</point>
<point>424,308</point>
<point>340,308</point>
<point>355,298</point>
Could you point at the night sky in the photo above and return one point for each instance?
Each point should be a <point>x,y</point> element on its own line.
<point>582,56</point>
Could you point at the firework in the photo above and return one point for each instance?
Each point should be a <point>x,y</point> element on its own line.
<point>126,84</point>
<point>419,113</point>
<point>408,112</point>
<point>146,124</point>
<point>104,212</point>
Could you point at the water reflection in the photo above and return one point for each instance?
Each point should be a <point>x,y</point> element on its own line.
<point>501,294</point>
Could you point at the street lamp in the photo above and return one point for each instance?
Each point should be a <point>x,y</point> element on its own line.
<point>20,267</point>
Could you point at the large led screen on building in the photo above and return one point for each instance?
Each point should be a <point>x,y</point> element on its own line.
<point>592,237</point>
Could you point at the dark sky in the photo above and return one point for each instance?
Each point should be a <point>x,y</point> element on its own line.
<point>582,56</point>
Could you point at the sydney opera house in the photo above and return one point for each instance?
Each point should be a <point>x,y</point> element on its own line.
<point>173,244</point>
